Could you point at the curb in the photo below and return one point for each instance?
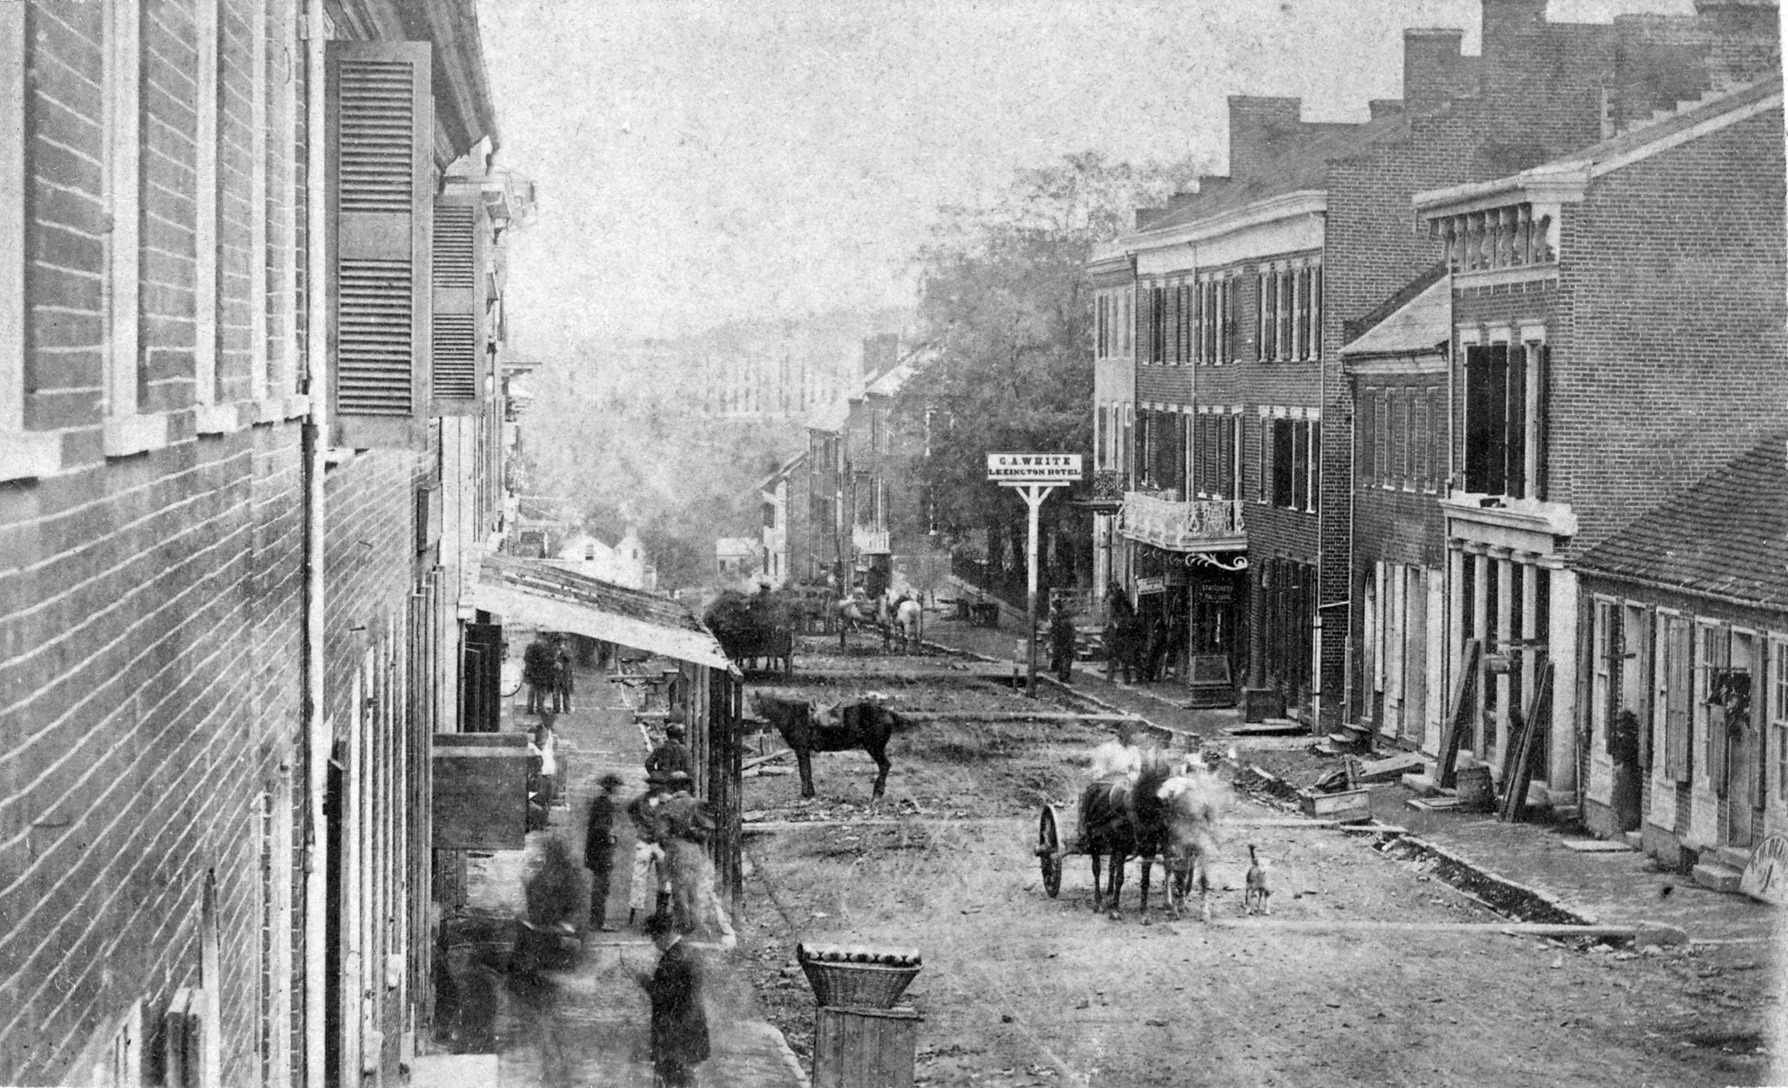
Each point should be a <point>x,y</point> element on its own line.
<point>1506,895</point>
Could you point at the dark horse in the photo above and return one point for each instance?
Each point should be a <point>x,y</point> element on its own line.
<point>1122,819</point>
<point>864,725</point>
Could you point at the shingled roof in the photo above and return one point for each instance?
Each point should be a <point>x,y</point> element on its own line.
<point>1726,536</point>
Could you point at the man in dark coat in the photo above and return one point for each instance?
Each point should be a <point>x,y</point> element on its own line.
<point>537,671</point>
<point>562,677</point>
<point>599,850</point>
<point>1061,642</point>
<point>668,758</point>
<point>679,1026</point>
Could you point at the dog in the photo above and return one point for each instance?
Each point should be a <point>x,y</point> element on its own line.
<point>1254,896</point>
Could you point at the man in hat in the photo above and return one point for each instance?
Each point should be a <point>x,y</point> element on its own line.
<point>679,1026</point>
<point>599,850</point>
<point>669,757</point>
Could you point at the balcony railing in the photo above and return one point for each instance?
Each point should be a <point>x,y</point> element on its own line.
<point>869,541</point>
<point>1202,525</point>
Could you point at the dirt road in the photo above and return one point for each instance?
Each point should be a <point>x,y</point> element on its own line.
<point>1022,989</point>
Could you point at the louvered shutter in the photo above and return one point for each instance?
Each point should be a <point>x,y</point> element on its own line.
<point>457,363</point>
<point>381,188</point>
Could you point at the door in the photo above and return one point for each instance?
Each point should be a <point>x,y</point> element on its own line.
<point>1415,654</point>
<point>481,678</point>
<point>1742,762</point>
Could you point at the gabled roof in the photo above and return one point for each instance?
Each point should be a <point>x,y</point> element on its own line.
<point>782,470</point>
<point>1574,171</point>
<point>1726,536</point>
<point>1414,319</point>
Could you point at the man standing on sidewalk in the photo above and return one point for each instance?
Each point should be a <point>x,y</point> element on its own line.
<point>679,1026</point>
<point>599,851</point>
<point>562,676</point>
<point>537,672</point>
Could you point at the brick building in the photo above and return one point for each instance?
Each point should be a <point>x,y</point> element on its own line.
<point>1686,619</point>
<point>248,417</point>
<point>1242,443</point>
<point>863,507</point>
<point>1617,334</point>
<point>1395,361</point>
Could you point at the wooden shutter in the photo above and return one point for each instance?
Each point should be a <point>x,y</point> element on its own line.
<point>381,182</point>
<point>457,357</point>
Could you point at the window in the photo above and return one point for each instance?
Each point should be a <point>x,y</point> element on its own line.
<point>1504,419</point>
<point>1282,314</point>
<point>1421,475</point>
<point>381,155</point>
<point>1381,438</point>
<point>1183,337</point>
<point>23,455</point>
<point>1677,689</point>
<point>123,174</point>
<point>1406,427</point>
<point>769,515</point>
<point>1263,473</point>
<point>1296,457</point>
<point>1778,721</point>
<point>1263,320</point>
<point>1437,438</point>
<point>1227,333</point>
<point>1303,304</point>
<point>1124,324</point>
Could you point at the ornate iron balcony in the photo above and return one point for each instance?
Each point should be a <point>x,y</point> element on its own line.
<point>1202,525</point>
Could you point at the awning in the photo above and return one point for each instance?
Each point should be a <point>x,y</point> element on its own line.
<point>554,599</point>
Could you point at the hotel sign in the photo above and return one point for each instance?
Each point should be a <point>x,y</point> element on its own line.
<point>1033,468</point>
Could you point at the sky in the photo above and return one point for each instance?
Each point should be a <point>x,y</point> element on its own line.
<point>699,162</point>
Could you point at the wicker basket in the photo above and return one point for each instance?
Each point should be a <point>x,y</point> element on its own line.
<point>864,985</point>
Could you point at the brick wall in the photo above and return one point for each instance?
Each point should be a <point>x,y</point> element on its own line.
<point>150,648</point>
<point>1678,321</point>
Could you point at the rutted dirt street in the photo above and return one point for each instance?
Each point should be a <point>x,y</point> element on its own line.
<point>1022,989</point>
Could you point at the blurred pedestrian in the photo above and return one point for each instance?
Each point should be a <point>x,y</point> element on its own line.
<point>679,1025</point>
<point>599,850</point>
<point>648,874</point>
<point>562,677</point>
<point>537,673</point>
<point>1061,642</point>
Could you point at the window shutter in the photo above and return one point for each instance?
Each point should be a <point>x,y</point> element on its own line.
<point>457,363</point>
<point>381,131</point>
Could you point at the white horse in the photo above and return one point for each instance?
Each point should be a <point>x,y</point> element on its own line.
<point>909,618</point>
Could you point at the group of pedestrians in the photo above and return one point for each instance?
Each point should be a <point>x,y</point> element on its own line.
<point>546,669</point>
<point>665,818</point>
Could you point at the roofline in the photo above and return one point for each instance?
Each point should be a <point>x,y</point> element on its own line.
<point>1564,180</point>
<point>1585,566</point>
<point>1267,210</point>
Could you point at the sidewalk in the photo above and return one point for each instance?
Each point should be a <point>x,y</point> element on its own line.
<point>1612,887</point>
<point>590,1026</point>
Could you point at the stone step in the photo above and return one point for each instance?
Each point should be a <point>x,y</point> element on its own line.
<point>1721,878</point>
<point>1634,839</point>
<point>1733,857</point>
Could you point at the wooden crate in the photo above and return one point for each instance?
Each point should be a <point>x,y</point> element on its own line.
<point>1344,805</point>
<point>864,1048</point>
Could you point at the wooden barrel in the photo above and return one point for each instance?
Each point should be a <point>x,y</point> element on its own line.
<point>1475,794</point>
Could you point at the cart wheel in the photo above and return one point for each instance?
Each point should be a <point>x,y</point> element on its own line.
<point>1049,850</point>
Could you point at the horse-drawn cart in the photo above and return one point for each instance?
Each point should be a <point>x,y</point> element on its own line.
<point>1162,814</point>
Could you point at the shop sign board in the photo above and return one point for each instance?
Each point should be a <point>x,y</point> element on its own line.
<point>1034,468</point>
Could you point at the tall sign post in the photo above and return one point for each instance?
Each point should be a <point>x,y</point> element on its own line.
<point>1034,476</point>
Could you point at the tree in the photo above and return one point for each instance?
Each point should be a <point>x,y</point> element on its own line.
<point>1003,313</point>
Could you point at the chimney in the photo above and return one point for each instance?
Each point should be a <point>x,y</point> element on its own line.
<point>1430,65</point>
<point>1504,19</point>
<point>1260,129</point>
<point>1385,107</point>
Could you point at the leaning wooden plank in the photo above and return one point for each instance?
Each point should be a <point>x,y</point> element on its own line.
<point>1016,716</point>
<point>1392,769</point>
<point>1539,715</point>
<point>755,760</point>
<point>1464,702</point>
